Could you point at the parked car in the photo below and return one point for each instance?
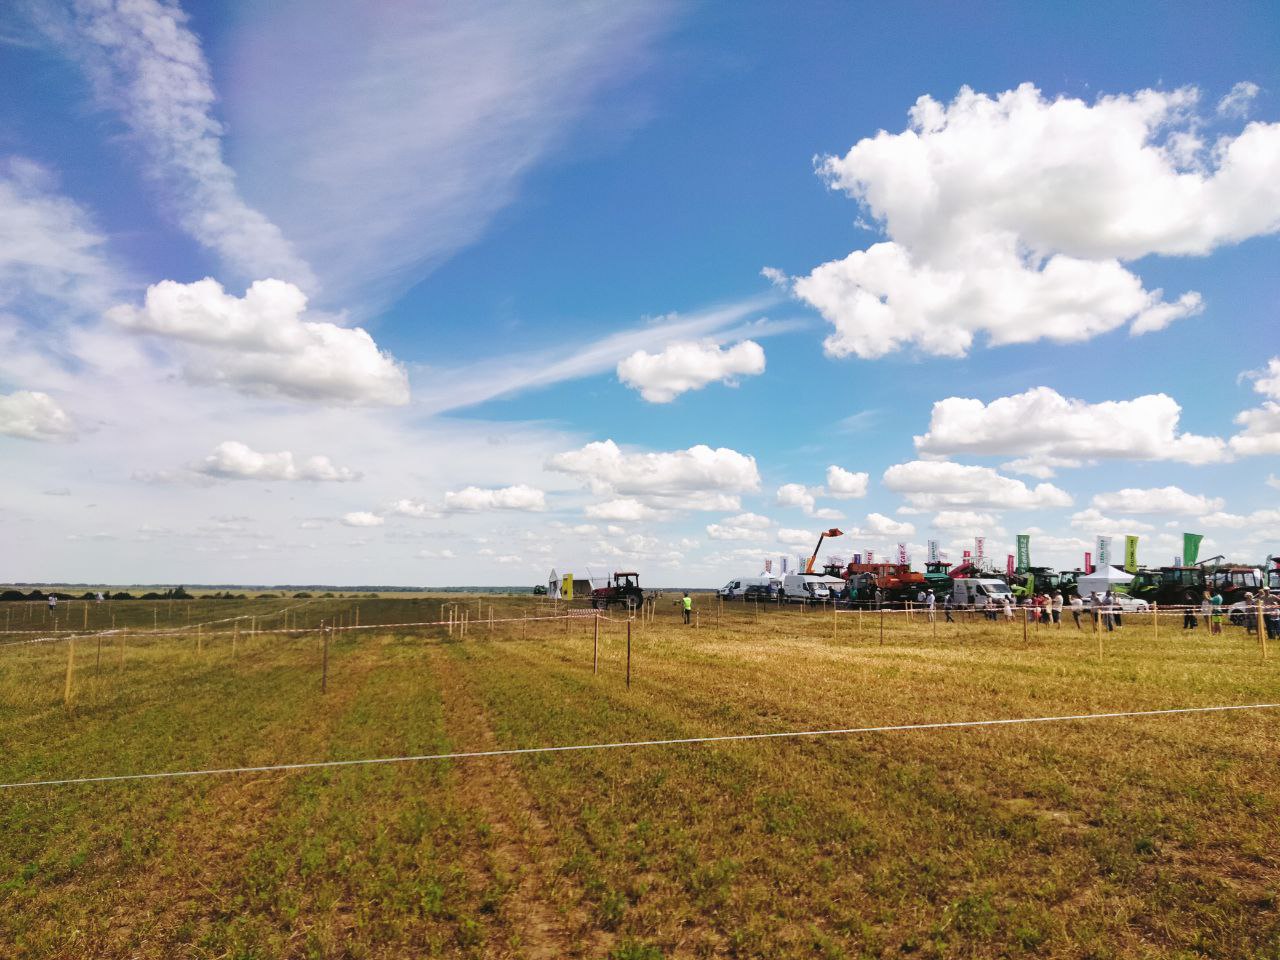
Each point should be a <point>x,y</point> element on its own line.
<point>1128,604</point>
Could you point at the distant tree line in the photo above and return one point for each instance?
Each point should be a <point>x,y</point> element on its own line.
<point>177,593</point>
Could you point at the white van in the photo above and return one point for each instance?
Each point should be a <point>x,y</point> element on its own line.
<point>979,592</point>
<point>734,589</point>
<point>805,587</point>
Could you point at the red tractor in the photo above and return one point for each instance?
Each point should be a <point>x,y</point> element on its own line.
<point>623,590</point>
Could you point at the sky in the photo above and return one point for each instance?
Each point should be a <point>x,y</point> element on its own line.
<point>430,294</point>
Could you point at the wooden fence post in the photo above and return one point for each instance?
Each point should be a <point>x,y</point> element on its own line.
<point>1155,620</point>
<point>595,646</point>
<point>324,659</point>
<point>628,654</point>
<point>71,657</point>
<point>1026,615</point>
<point>882,624</point>
<point>1262,630</point>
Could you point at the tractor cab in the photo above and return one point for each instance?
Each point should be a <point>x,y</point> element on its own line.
<point>623,590</point>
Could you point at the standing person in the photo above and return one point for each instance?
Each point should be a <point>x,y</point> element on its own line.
<point>53,602</point>
<point>1008,609</point>
<point>1108,612</point>
<point>1189,621</point>
<point>1271,613</point>
<point>1215,604</point>
<point>948,604</point>
<point>1095,605</point>
<point>686,605</point>
<point>1117,611</point>
<point>1206,608</point>
<point>1057,607</point>
<point>931,602</point>
<point>1077,607</point>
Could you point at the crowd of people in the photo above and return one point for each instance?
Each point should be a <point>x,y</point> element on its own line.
<point>1107,610</point>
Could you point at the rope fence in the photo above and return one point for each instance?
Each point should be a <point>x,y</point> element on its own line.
<point>630,744</point>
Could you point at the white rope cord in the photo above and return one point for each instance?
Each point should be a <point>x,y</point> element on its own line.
<point>479,622</point>
<point>676,741</point>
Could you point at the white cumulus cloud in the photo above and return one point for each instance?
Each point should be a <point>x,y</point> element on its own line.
<point>232,460</point>
<point>1010,217</point>
<point>844,484</point>
<point>1238,100</point>
<point>1168,499</point>
<point>32,415</point>
<point>622,509</point>
<point>362,518</point>
<point>966,522</point>
<point>418,509</point>
<point>689,365</point>
<point>1046,431</point>
<point>796,538</point>
<point>878,523</point>
<point>940,484</point>
<point>1092,520</point>
<point>1261,433</point>
<point>699,478</point>
<point>517,497</point>
<point>260,343</point>
<point>798,495</point>
<point>744,526</point>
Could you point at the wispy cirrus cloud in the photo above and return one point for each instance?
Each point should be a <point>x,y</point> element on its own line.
<point>147,66</point>
<point>437,390</point>
<point>406,132</point>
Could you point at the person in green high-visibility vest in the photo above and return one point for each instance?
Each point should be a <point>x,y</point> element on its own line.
<point>686,604</point>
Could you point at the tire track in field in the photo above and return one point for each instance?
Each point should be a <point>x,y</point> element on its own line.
<point>214,838</point>
<point>545,931</point>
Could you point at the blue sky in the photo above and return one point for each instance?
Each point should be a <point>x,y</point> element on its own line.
<point>489,241</point>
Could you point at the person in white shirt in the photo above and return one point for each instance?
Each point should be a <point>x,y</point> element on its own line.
<point>1077,607</point>
<point>931,602</point>
<point>1056,607</point>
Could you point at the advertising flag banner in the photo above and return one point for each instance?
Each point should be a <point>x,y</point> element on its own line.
<point>1131,554</point>
<point>1009,565</point>
<point>967,556</point>
<point>1103,552</point>
<point>979,549</point>
<point>784,565</point>
<point>1088,562</point>
<point>857,558</point>
<point>1191,547</point>
<point>1024,553</point>
<point>871,556</point>
<point>1177,561</point>
<point>566,587</point>
<point>768,566</point>
<point>902,553</point>
<point>933,551</point>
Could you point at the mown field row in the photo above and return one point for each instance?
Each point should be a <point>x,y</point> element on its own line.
<point>1107,838</point>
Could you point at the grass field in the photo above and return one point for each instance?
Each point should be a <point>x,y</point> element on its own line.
<point>1138,837</point>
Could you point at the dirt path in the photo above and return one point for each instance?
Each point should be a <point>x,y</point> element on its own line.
<point>544,909</point>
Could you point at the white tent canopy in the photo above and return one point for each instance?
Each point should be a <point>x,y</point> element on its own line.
<point>1102,580</point>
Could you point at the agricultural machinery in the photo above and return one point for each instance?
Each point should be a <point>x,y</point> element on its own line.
<point>1188,584</point>
<point>622,590</point>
